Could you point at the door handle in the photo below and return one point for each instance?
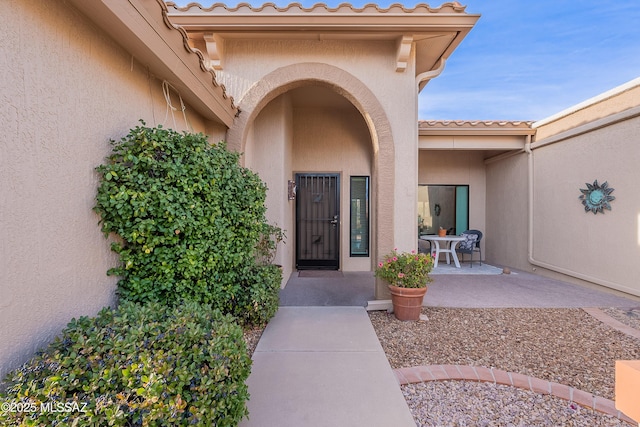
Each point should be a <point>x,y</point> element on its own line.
<point>334,221</point>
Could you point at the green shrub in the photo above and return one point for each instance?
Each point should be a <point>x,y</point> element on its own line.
<point>137,365</point>
<point>188,215</point>
<point>270,237</point>
<point>260,302</point>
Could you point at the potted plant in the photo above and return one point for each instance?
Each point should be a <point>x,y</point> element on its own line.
<point>267,246</point>
<point>407,275</point>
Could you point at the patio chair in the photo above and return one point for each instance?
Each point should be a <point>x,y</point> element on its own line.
<point>422,246</point>
<point>470,245</point>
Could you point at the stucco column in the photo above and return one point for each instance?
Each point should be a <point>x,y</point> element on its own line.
<point>384,184</point>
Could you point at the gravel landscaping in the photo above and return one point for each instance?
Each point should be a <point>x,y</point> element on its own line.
<point>251,335</point>
<point>462,403</point>
<point>630,316</point>
<point>566,346</point>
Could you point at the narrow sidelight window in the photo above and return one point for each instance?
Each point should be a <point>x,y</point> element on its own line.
<point>359,226</point>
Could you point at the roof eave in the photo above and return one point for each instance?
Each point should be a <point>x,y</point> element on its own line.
<point>435,32</point>
<point>485,128</point>
<point>328,23</point>
<point>143,29</point>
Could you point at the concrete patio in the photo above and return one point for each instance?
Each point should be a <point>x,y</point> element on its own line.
<point>478,286</point>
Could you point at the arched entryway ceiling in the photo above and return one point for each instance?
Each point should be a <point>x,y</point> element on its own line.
<point>293,76</point>
<point>290,77</point>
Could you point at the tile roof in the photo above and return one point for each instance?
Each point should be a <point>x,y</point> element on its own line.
<point>433,33</point>
<point>222,92</point>
<point>475,127</point>
<point>347,8</point>
<point>497,124</point>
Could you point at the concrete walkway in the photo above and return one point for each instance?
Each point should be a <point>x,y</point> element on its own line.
<point>320,367</point>
<point>319,361</point>
<point>326,288</point>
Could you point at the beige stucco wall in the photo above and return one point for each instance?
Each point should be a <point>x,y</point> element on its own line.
<point>268,153</point>
<point>66,90</point>
<point>604,105</point>
<point>458,168</point>
<point>507,212</point>
<point>597,140</point>
<point>370,64</point>
<point>602,248</point>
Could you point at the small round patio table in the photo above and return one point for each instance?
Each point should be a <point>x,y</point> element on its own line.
<point>449,247</point>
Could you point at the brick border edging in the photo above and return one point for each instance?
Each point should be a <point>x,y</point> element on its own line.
<point>419,374</point>
<point>612,322</point>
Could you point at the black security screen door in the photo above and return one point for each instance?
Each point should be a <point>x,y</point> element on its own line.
<point>317,221</point>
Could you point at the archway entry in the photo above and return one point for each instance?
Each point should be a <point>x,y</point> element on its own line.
<point>315,137</point>
<point>268,115</point>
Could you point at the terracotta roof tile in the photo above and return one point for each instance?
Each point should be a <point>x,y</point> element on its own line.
<point>346,8</point>
<point>473,124</point>
<point>185,42</point>
<point>475,127</point>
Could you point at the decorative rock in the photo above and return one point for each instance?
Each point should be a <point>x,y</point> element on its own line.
<point>567,346</point>
<point>463,403</point>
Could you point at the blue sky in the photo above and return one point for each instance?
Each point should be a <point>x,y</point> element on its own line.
<point>530,59</point>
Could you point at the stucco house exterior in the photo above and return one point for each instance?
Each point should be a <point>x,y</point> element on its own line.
<point>329,100</point>
<point>323,103</point>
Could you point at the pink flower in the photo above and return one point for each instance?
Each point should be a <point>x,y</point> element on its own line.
<point>395,258</point>
<point>380,265</point>
<point>413,252</point>
<point>400,275</point>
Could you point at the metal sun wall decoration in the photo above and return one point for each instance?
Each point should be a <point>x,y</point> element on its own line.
<point>596,197</point>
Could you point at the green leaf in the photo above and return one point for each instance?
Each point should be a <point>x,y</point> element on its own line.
<point>158,181</point>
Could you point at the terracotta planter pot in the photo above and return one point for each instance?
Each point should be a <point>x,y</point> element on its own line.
<point>442,233</point>
<point>407,302</point>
